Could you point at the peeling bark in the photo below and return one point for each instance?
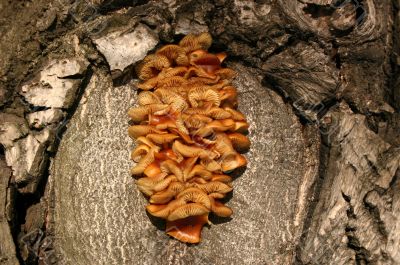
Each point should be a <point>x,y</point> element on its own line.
<point>320,82</point>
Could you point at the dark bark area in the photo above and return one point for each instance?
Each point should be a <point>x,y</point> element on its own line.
<point>322,75</point>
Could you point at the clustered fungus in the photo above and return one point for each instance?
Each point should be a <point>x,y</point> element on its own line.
<point>189,135</point>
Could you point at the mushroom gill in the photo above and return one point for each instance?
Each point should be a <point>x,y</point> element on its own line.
<point>188,133</point>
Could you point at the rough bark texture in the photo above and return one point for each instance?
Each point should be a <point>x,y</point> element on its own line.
<point>319,81</point>
<point>103,200</point>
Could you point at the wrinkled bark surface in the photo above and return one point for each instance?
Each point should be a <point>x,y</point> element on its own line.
<point>318,80</point>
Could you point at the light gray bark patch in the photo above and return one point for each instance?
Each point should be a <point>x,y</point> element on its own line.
<point>125,47</point>
<point>99,213</point>
<point>53,87</point>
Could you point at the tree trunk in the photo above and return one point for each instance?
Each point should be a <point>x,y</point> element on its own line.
<point>318,81</point>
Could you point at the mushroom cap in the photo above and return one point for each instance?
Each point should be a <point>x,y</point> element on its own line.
<point>222,56</point>
<point>149,84</point>
<point>239,141</point>
<point>210,164</point>
<point>187,230</point>
<point>153,170</point>
<point>187,210</point>
<point>171,81</point>
<point>151,66</point>
<point>149,185</point>
<point>136,131</point>
<point>236,115</point>
<point>148,98</point>
<point>201,171</point>
<point>193,42</point>
<point>241,126</point>
<point>139,151</point>
<point>194,195</point>
<point>164,210</point>
<point>162,138</point>
<point>225,73</point>
<point>166,154</point>
<point>167,195</point>
<point>192,151</point>
<point>222,178</point>
<point>218,113</point>
<point>143,163</point>
<point>232,162</point>
<point>173,71</point>
<point>171,51</point>
<point>170,166</point>
<point>196,95</point>
<point>222,125</point>
<point>141,113</point>
<point>219,208</point>
<point>215,186</point>
<point>208,62</point>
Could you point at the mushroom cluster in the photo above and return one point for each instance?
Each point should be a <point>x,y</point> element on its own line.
<point>189,135</point>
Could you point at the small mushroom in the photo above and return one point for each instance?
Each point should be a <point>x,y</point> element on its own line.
<point>166,154</point>
<point>201,171</point>
<point>210,164</point>
<point>187,230</point>
<point>164,210</point>
<point>219,208</point>
<point>171,81</point>
<point>170,166</point>
<point>222,178</point>
<point>236,115</point>
<point>152,65</point>
<point>149,185</point>
<point>194,195</point>
<point>222,56</point>
<point>139,151</point>
<point>143,163</point>
<point>141,113</point>
<point>162,138</point>
<point>173,71</point>
<point>187,165</point>
<point>162,122</point>
<point>153,170</point>
<point>184,211</point>
<point>196,180</point>
<point>225,73</point>
<point>171,51</point>
<point>241,126</point>
<point>233,162</point>
<point>167,195</point>
<point>148,98</point>
<point>210,63</point>
<point>215,186</point>
<point>192,151</point>
<point>197,95</point>
<point>218,113</point>
<point>223,145</point>
<point>195,71</point>
<point>239,141</point>
<point>149,84</point>
<point>222,125</point>
<point>193,42</point>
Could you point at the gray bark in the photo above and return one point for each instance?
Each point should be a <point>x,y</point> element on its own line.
<point>319,82</point>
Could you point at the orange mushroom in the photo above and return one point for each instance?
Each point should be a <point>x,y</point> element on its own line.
<point>188,133</point>
<point>187,230</point>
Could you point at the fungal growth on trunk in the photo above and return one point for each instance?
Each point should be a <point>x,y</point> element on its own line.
<point>189,135</point>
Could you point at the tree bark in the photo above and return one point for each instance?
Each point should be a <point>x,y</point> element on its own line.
<point>318,81</point>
